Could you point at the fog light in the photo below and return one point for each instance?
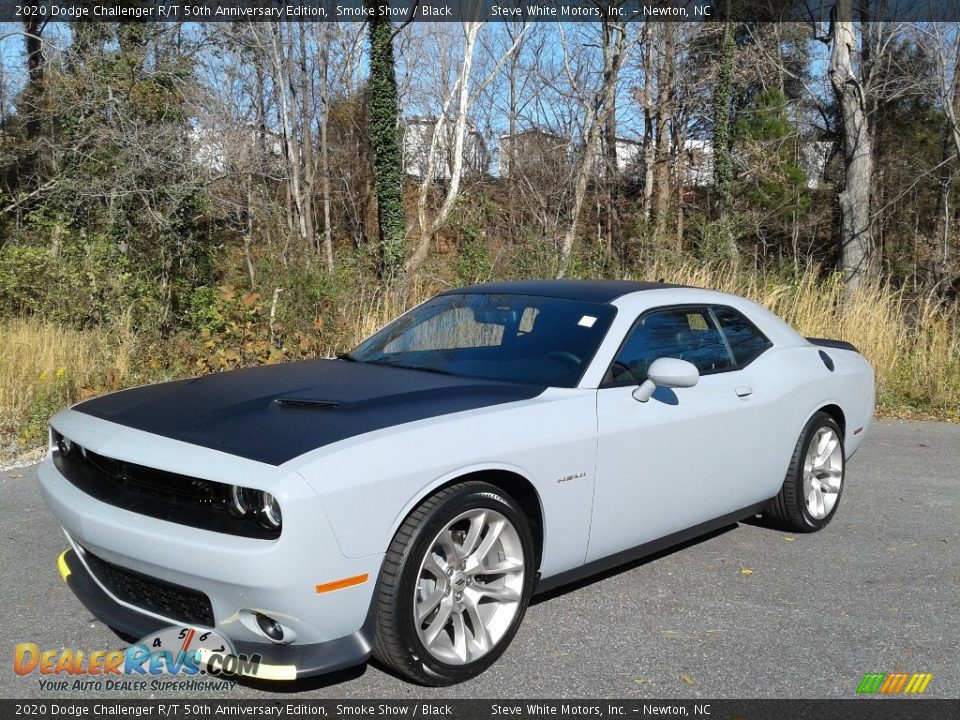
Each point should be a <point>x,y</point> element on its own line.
<point>269,627</point>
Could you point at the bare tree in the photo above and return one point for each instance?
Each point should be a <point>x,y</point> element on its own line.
<point>855,207</point>
<point>664,118</point>
<point>596,106</point>
<point>464,98</point>
<point>324,53</point>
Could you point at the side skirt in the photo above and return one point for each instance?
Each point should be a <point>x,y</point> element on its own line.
<point>649,548</point>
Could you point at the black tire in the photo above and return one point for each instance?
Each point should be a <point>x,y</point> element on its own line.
<point>789,510</point>
<point>397,642</point>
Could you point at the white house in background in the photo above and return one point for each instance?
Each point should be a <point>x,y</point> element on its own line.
<point>540,149</point>
<point>417,137</point>
<point>532,151</point>
<point>629,157</point>
<point>218,150</point>
<point>813,156</point>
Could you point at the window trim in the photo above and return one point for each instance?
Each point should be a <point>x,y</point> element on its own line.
<point>709,308</point>
<point>768,343</point>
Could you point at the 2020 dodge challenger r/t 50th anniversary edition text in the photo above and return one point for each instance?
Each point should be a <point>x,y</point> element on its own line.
<point>409,497</point>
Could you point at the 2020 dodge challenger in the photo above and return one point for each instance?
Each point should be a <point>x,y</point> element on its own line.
<point>407,498</point>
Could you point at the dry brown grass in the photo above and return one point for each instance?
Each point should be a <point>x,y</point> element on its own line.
<point>912,343</point>
<point>44,367</point>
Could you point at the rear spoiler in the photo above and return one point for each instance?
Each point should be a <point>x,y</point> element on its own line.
<point>837,344</point>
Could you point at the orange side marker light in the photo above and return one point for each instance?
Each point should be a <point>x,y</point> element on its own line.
<point>344,583</point>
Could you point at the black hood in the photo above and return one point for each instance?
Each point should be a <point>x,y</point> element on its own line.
<point>276,412</point>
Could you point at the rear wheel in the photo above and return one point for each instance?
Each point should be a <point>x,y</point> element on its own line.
<point>811,490</point>
<point>455,585</point>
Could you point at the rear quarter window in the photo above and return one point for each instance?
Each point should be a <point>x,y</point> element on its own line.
<point>746,342</point>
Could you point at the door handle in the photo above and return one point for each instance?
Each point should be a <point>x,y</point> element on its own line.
<point>744,391</point>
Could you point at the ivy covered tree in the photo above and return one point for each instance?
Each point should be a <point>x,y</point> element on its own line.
<point>384,139</point>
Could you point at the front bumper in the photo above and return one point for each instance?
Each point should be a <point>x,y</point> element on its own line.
<point>278,662</point>
<point>296,579</point>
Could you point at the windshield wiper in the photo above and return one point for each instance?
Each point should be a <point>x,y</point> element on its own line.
<point>386,361</point>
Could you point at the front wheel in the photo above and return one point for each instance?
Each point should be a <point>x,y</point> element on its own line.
<point>455,585</point>
<point>811,490</point>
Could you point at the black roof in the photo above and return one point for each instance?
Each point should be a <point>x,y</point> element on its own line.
<point>598,291</point>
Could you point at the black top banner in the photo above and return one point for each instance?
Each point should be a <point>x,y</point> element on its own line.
<point>401,11</point>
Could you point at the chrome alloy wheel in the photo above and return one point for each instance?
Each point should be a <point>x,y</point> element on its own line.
<point>469,586</point>
<point>822,473</point>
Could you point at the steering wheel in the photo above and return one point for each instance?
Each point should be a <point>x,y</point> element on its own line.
<point>564,356</point>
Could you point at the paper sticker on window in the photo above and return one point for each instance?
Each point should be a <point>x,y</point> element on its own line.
<point>587,321</point>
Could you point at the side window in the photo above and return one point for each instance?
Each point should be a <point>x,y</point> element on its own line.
<point>687,333</point>
<point>746,342</point>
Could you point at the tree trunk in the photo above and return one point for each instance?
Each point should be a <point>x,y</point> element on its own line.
<point>248,233</point>
<point>384,141</point>
<point>292,145</point>
<point>325,149</point>
<point>33,30</point>
<point>722,161</point>
<point>856,238</point>
<point>305,121</point>
<point>611,169</point>
<point>649,135</point>
<point>664,113</point>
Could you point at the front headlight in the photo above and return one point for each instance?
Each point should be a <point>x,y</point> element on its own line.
<point>270,511</point>
<point>256,505</point>
<point>239,503</point>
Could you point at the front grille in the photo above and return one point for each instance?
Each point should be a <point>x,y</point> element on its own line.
<point>173,601</point>
<point>165,495</point>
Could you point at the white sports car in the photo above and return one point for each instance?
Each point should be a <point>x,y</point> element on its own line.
<point>409,497</point>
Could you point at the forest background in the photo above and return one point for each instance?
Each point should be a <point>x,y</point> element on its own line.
<point>185,198</point>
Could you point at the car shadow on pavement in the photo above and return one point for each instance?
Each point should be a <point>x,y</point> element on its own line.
<point>762,521</point>
<point>627,567</point>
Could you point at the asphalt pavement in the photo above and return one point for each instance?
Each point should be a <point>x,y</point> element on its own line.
<point>746,612</point>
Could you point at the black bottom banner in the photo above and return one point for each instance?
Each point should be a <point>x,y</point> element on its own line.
<point>853,709</point>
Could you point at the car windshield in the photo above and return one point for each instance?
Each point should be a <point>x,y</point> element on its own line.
<point>514,338</point>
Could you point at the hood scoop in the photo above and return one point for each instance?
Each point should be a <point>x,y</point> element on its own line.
<point>307,404</point>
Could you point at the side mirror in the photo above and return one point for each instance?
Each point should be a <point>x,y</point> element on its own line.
<point>669,373</point>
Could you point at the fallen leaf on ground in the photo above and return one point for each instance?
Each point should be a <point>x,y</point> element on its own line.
<point>687,679</point>
<point>746,571</point>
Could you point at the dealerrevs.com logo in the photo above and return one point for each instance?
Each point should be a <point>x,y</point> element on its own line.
<point>894,683</point>
<point>168,660</point>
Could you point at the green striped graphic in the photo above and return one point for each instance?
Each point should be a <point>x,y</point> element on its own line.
<point>871,682</point>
